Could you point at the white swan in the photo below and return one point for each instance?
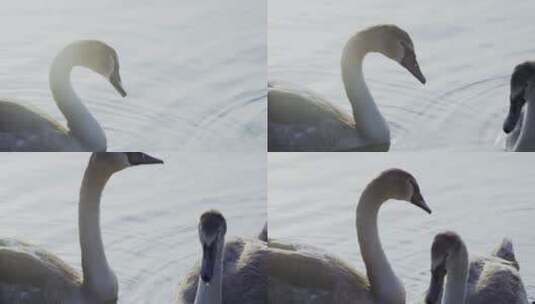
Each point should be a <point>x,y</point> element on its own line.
<point>302,121</point>
<point>519,125</point>
<point>490,280</point>
<point>31,275</point>
<point>304,275</point>
<point>22,129</point>
<point>230,272</point>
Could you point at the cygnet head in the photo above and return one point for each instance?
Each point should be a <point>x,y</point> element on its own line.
<point>396,44</point>
<point>446,245</point>
<point>401,185</point>
<point>522,87</point>
<point>212,229</point>
<point>98,57</point>
<point>112,162</point>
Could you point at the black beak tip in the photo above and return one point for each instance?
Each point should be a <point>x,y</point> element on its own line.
<point>121,91</point>
<point>139,158</point>
<point>420,203</point>
<point>155,160</point>
<point>152,160</point>
<point>419,75</point>
<point>426,209</point>
<point>423,80</point>
<point>507,128</point>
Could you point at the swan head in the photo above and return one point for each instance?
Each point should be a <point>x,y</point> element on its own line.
<point>212,229</point>
<point>396,44</point>
<point>522,86</point>
<point>112,162</point>
<point>445,252</point>
<point>100,58</point>
<point>400,185</point>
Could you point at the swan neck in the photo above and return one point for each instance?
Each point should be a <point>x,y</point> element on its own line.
<point>457,275</point>
<point>366,114</point>
<point>82,125</point>
<point>527,134</point>
<point>212,293</point>
<point>98,276</point>
<point>384,284</point>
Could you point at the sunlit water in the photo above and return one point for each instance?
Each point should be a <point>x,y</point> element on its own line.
<point>466,49</point>
<point>194,71</point>
<point>149,214</point>
<point>312,200</point>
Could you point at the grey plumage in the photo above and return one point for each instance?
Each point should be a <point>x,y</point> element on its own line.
<point>473,279</point>
<point>302,121</point>
<point>37,282</point>
<point>244,274</point>
<point>25,129</point>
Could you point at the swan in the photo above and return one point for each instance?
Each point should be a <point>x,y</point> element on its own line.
<point>230,272</point>
<point>520,121</point>
<point>22,129</point>
<point>490,280</point>
<point>31,275</point>
<point>301,274</point>
<point>302,121</point>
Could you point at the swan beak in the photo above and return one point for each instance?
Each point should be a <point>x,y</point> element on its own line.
<point>115,80</point>
<point>419,201</point>
<point>138,158</point>
<point>410,63</point>
<point>208,262</point>
<point>434,293</point>
<point>515,109</point>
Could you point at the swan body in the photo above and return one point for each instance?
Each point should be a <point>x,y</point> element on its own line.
<point>473,280</point>
<point>299,120</point>
<point>24,129</point>
<point>519,126</point>
<point>302,274</point>
<point>31,275</point>
<point>230,272</point>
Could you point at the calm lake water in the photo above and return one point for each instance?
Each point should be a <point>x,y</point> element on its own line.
<point>149,213</point>
<point>483,197</point>
<point>195,72</point>
<point>466,49</point>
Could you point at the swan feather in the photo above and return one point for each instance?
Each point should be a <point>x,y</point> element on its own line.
<point>25,129</point>
<point>244,277</point>
<point>305,274</point>
<point>29,274</point>
<point>302,121</point>
<point>494,280</point>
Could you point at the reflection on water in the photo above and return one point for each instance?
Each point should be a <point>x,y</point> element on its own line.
<point>467,51</point>
<point>194,71</point>
<point>484,197</point>
<point>149,214</point>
